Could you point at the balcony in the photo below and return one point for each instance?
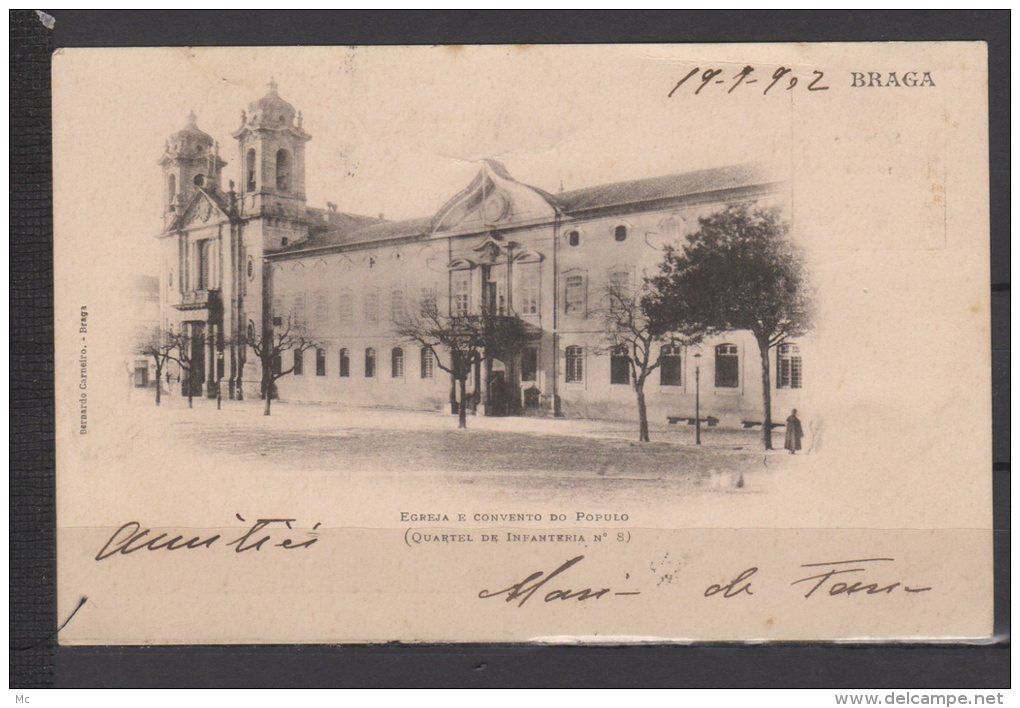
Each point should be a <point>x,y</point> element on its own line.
<point>200,300</point>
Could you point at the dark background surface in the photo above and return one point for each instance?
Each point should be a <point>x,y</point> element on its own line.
<point>36,661</point>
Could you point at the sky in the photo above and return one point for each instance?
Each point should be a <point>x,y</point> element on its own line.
<point>399,130</point>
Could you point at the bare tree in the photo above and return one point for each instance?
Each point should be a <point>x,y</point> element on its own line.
<point>628,332</point>
<point>460,342</point>
<point>289,336</point>
<point>739,271</point>
<point>182,352</point>
<point>158,345</point>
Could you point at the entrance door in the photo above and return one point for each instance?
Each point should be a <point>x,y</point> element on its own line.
<point>498,398</point>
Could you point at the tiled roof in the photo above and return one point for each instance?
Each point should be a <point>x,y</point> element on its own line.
<point>333,228</point>
<point>657,188</point>
<point>349,229</point>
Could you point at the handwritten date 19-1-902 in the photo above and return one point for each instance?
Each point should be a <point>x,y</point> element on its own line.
<point>779,79</point>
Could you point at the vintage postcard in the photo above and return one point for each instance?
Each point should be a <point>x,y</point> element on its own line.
<point>642,343</point>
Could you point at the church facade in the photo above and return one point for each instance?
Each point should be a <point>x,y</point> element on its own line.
<point>242,259</point>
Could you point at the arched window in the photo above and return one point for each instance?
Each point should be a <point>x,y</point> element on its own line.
<point>670,366</point>
<point>788,366</point>
<point>283,171</point>
<point>369,363</point>
<point>171,191</point>
<point>249,171</point>
<point>620,233</point>
<point>397,363</point>
<point>619,366</point>
<point>345,363</point>
<point>428,363</point>
<point>320,362</point>
<point>299,362</point>
<point>574,238</point>
<point>574,371</point>
<point>727,366</point>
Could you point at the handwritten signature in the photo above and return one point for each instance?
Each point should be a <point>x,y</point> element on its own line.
<point>828,579</point>
<point>523,590</point>
<point>131,538</point>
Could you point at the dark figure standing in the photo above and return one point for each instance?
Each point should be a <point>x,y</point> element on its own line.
<point>794,432</point>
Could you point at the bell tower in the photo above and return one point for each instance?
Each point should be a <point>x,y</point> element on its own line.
<point>271,144</point>
<point>190,161</point>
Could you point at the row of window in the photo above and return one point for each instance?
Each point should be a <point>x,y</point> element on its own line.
<point>620,233</point>
<point>426,361</point>
<point>493,290</point>
<point>371,306</point>
<point>727,366</point>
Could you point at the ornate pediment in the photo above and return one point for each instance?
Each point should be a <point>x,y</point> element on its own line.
<point>489,251</point>
<point>202,210</point>
<point>493,200</point>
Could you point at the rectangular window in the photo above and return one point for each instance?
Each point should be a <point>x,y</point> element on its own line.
<point>788,366</point>
<point>397,311</point>
<point>727,366</point>
<point>277,313</point>
<point>529,364</point>
<point>573,300</point>
<point>428,363</point>
<point>371,308</point>
<point>345,307</point>
<point>619,281</point>
<point>619,287</point>
<point>299,362</point>
<point>671,366</point>
<point>529,287</point>
<point>428,300</point>
<point>203,265</point>
<point>619,366</point>
<point>320,362</point>
<point>460,287</point>
<point>321,308</point>
<point>298,315</point>
<point>575,365</point>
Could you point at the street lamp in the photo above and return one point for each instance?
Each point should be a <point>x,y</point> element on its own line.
<point>697,398</point>
<point>219,378</point>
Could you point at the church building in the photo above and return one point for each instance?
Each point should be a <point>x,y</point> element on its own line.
<point>239,259</point>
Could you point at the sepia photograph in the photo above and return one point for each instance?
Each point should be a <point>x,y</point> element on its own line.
<point>558,344</point>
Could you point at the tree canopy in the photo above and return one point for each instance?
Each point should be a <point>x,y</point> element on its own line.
<point>738,271</point>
